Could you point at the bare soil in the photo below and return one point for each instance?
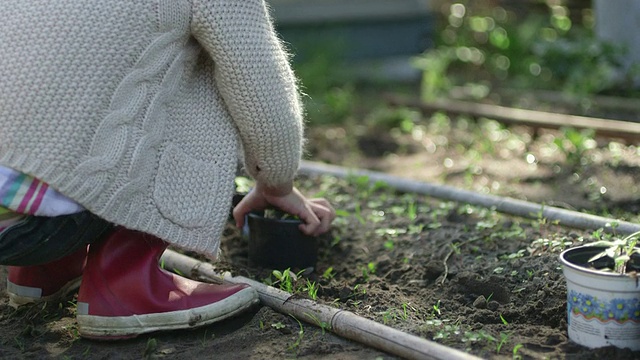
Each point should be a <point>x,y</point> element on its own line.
<point>470,278</point>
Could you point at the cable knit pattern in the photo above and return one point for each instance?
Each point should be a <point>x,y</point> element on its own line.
<point>136,109</point>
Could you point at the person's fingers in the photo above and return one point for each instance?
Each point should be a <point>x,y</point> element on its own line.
<point>310,222</point>
<point>325,222</point>
<point>325,203</point>
<point>324,214</point>
<point>326,219</point>
<point>316,214</point>
<point>249,203</point>
<point>321,201</point>
<point>239,213</point>
<point>310,227</point>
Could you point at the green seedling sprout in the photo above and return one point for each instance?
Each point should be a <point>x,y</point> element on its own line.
<point>312,289</point>
<point>504,337</point>
<point>285,279</point>
<point>489,298</point>
<point>328,274</point>
<point>412,210</point>
<point>296,344</point>
<point>436,308</point>
<point>389,244</point>
<point>321,324</point>
<point>358,215</point>
<point>517,356</point>
<point>405,314</point>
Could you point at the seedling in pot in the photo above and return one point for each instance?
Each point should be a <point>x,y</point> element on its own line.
<point>602,292</point>
<point>277,214</point>
<point>620,255</point>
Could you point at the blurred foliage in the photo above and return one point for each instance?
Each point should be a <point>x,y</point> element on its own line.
<point>539,47</point>
<point>482,45</point>
<point>327,88</point>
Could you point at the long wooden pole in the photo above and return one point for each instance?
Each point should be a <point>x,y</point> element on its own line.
<point>629,131</point>
<point>340,322</point>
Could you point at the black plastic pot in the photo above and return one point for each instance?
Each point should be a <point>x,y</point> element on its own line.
<point>279,244</point>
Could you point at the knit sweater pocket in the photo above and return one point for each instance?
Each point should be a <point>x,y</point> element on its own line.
<point>182,191</point>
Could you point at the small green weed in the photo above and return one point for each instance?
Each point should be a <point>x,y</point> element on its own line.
<point>389,245</point>
<point>328,274</point>
<point>368,270</point>
<point>436,308</point>
<point>294,346</point>
<point>321,324</point>
<point>311,289</point>
<point>574,144</point>
<point>504,337</point>
<point>285,279</point>
<point>515,350</point>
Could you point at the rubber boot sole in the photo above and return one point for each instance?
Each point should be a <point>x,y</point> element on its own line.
<point>126,327</point>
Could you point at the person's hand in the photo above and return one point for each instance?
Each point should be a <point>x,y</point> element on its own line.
<point>316,214</point>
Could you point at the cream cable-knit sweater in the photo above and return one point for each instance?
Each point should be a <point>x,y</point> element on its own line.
<point>136,109</point>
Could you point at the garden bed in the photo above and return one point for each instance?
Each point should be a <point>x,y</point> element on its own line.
<point>470,278</point>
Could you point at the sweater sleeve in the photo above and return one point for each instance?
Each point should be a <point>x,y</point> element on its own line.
<point>257,84</point>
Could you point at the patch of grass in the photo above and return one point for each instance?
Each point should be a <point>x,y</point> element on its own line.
<point>403,313</point>
<point>557,243</point>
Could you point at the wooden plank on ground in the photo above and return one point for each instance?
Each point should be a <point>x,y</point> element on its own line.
<point>629,131</point>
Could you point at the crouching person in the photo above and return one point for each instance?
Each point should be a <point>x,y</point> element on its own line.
<point>121,123</point>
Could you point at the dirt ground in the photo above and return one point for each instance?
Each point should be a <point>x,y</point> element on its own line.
<point>466,277</point>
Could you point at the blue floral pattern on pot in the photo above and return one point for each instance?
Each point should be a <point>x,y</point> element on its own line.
<point>590,307</point>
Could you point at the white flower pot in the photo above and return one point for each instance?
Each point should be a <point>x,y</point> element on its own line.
<point>602,308</point>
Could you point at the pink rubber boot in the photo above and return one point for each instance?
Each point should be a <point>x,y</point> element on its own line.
<point>125,293</point>
<point>48,282</point>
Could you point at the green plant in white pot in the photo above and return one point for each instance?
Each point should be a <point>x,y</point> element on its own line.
<point>603,292</point>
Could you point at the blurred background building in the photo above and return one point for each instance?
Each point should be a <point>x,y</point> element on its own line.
<point>376,37</point>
